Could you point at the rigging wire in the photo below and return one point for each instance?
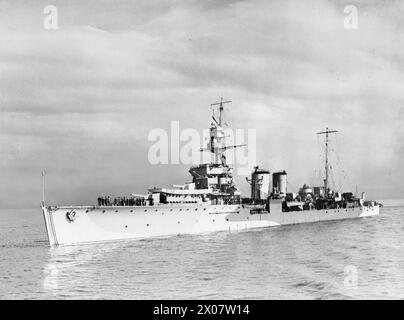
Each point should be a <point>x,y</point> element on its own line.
<point>291,185</point>
<point>319,165</point>
<point>330,167</point>
<point>340,166</point>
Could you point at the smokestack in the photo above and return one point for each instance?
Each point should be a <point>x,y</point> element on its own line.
<point>279,181</point>
<point>259,184</point>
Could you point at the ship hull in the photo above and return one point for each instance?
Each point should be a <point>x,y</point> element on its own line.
<point>86,224</point>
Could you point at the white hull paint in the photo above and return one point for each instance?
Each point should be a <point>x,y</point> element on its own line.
<point>97,224</point>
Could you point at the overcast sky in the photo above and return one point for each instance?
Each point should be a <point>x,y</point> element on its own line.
<point>80,101</point>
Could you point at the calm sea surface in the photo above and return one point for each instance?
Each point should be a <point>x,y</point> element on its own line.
<point>362,258</point>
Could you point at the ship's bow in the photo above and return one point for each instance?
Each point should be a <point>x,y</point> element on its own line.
<point>50,228</point>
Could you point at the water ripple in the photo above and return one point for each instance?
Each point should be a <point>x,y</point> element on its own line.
<point>312,261</point>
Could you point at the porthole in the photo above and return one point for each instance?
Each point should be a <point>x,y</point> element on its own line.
<point>179,222</point>
<point>86,210</point>
<point>145,210</point>
<point>116,210</point>
<point>103,211</point>
<point>131,210</point>
<point>147,224</point>
<point>126,226</point>
<point>196,209</point>
<point>213,220</point>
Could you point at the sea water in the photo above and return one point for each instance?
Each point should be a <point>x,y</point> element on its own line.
<point>350,259</point>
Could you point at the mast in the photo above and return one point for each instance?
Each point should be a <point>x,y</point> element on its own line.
<point>326,132</point>
<point>218,138</point>
<point>217,144</point>
<point>43,188</point>
<point>220,104</point>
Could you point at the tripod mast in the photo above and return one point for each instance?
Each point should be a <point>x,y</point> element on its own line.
<point>220,104</point>
<point>217,136</point>
<point>326,132</point>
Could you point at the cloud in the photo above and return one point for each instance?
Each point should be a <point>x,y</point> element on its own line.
<point>81,100</point>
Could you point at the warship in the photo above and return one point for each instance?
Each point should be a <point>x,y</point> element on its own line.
<point>210,202</point>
